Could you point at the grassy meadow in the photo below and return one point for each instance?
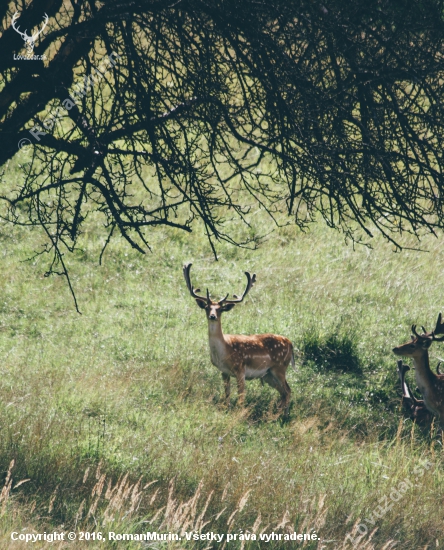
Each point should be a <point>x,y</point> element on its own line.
<point>113,420</point>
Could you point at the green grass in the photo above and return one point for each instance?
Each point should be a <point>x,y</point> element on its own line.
<point>128,387</point>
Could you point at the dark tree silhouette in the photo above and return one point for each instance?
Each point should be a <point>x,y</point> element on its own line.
<point>165,112</point>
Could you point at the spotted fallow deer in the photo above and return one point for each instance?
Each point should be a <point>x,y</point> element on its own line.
<point>430,385</point>
<point>264,356</point>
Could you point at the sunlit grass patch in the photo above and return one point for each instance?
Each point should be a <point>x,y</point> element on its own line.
<point>129,384</point>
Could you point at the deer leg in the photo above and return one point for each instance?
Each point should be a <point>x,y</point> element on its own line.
<point>240,378</point>
<point>285,390</point>
<point>277,380</point>
<point>226,380</point>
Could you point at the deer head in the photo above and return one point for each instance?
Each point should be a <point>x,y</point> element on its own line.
<point>420,343</point>
<point>213,309</point>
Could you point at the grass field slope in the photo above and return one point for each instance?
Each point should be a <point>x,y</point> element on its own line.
<point>114,420</point>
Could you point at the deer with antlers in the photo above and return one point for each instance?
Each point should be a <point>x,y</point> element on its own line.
<point>431,385</point>
<point>263,356</point>
<point>29,40</point>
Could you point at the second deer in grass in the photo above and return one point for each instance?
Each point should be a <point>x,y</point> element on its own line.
<point>430,384</point>
<point>416,407</point>
<point>264,356</point>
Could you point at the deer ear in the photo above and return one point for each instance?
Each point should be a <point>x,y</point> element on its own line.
<point>426,344</point>
<point>227,307</point>
<point>201,303</point>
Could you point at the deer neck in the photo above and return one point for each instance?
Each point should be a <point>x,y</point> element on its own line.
<point>423,373</point>
<point>218,344</point>
<point>215,333</point>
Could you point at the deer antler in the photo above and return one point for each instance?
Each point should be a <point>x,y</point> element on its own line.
<point>193,291</point>
<point>439,329</point>
<point>425,336</point>
<point>36,34</point>
<point>250,282</point>
<point>24,35</point>
<point>29,39</point>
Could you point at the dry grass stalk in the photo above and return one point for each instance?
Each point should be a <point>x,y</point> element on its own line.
<point>98,487</point>
<point>224,494</point>
<point>52,499</point>
<point>156,515</point>
<point>21,483</point>
<point>315,516</point>
<point>243,500</point>
<point>149,484</point>
<point>366,544</point>
<point>181,516</point>
<point>240,506</point>
<point>85,475</point>
<point>200,524</point>
<point>120,495</point>
<point>398,433</point>
<point>220,513</point>
<point>4,495</point>
<point>79,512</point>
<point>256,524</point>
<point>123,498</point>
<point>285,520</point>
<point>153,498</point>
<point>93,507</point>
<point>98,473</point>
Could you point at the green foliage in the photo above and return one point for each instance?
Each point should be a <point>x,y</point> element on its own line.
<point>334,351</point>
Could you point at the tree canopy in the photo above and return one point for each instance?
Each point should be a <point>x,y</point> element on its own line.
<point>157,112</point>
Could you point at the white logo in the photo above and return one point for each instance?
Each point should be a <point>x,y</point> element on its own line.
<point>29,40</point>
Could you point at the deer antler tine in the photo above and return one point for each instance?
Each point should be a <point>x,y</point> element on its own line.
<point>421,336</point>
<point>439,329</point>
<point>186,274</point>
<point>250,282</point>
<point>208,296</point>
<point>36,34</point>
<point>24,35</point>
<point>192,291</point>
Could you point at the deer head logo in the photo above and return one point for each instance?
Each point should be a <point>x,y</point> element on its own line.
<point>29,40</point>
